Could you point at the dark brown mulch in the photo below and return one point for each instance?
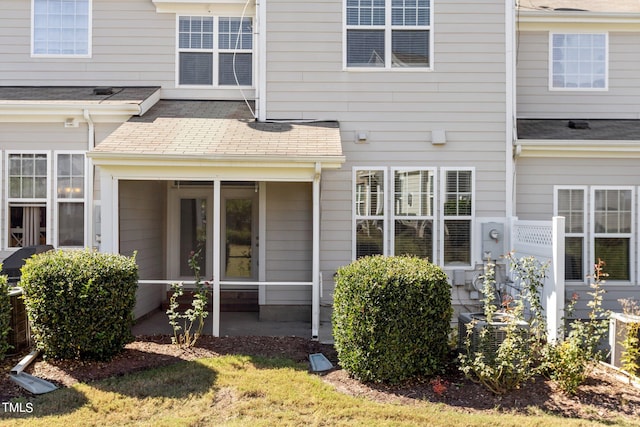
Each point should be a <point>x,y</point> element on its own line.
<point>603,397</point>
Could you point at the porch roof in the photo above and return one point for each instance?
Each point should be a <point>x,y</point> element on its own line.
<point>217,130</point>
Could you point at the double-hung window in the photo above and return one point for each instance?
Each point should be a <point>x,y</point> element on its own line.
<point>578,61</point>
<point>61,28</point>
<point>571,203</point>
<point>70,198</point>
<point>413,212</point>
<point>458,210</point>
<point>612,210</point>
<point>610,235</point>
<point>35,215</point>
<point>27,178</point>
<point>388,33</point>
<point>370,209</point>
<point>215,51</point>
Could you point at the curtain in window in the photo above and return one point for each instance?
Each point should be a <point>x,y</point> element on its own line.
<point>31,225</point>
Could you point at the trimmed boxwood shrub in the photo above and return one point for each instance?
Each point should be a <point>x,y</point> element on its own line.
<point>5,316</point>
<point>391,318</point>
<point>80,303</point>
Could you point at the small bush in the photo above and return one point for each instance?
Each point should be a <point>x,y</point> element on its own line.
<point>5,316</point>
<point>391,318</point>
<point>80,304</point>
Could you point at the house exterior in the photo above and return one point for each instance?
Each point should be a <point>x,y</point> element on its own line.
<point>283,139</point>
<point>578,134</point>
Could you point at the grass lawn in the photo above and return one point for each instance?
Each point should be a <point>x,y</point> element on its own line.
<point>240,390</point>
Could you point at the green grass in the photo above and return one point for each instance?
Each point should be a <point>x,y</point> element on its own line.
<point>240,391</point>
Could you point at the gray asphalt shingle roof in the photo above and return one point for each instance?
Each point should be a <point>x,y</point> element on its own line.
<point>74,95</point>
<point>609,129</point>
<point>613,6</point>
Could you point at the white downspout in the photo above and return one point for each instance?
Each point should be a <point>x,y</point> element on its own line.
<point>510,107</point>
<point>91,143</point>
<point>261,83</point>
<point>315,268</point>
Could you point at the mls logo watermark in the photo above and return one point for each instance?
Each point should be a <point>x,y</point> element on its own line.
<point>17,407</point>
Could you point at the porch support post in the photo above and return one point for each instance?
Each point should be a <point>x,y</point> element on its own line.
<point>554,289</point>
<point>216,259</point>
<point>109,233</point>
<point>315,298</point>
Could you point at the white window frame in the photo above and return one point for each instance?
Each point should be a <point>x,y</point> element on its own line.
<point>388,28</point>
<point>579,89</point>
<point>65,55</point>
<point>630,235</point>
<point>27,201</point>
<point>384,217</point>
<point>471,218</point>
<point>434,206</point>
<point>215,53</point>
<point>57,200</point>
<point>584,234</point>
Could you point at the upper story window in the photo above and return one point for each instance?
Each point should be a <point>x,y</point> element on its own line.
<point>388,33</point>
<point>578,61</point>
<point>215,51</point>
<point>61,28</point>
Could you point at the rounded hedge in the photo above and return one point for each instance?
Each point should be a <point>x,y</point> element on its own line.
<point>80,303</point>
<point>391,318</point>
<point>5,316</point>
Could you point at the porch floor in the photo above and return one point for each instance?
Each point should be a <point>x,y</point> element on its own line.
<point>231,324</point>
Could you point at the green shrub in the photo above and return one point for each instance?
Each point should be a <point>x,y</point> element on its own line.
<point>80,303</point>
<point>5,316</point>
<point>391,318</point>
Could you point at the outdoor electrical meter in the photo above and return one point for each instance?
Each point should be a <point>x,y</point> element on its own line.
<point>492,240</point>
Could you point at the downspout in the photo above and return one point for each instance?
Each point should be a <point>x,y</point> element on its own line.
<point>315,268</point>
<point>510,107</point>
<point>261,83</point>
<point>91,138</point>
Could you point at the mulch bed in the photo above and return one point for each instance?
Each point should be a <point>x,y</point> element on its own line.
<point>604,396</point>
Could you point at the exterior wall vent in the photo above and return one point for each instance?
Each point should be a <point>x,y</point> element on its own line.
<point>579,124</point>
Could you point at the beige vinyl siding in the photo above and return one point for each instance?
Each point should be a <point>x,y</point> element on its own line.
<point>142,227</point>
<point>620,101</point>
<point>42,136</point>
<point>132,45</point>
<point>289,241</point>
<point>537,176</point>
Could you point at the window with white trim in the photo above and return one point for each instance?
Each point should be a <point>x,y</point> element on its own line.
<point>458,212</point>
<point>413,212</point>
<point>370,212</point>
<point>61,27</point>
<point>70,183</point>
<point>571,203</point>
<point>36,215</point>
<point>215,51</point>
<point>388,33</point>
<point>27,178</point>
<point>612,214</point>
<point>578,61</point>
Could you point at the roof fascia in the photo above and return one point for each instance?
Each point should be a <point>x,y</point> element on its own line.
<point>609,149</point>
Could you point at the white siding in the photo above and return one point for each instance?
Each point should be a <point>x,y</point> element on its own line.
<point>620,101</point>
<point>289,241</point>
<point>142,229</point>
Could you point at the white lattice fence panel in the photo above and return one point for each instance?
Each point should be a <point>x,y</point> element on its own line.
<point>533,238</point>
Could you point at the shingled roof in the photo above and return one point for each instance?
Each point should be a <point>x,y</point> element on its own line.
<point>601,6</point>
<point>218,130</point>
